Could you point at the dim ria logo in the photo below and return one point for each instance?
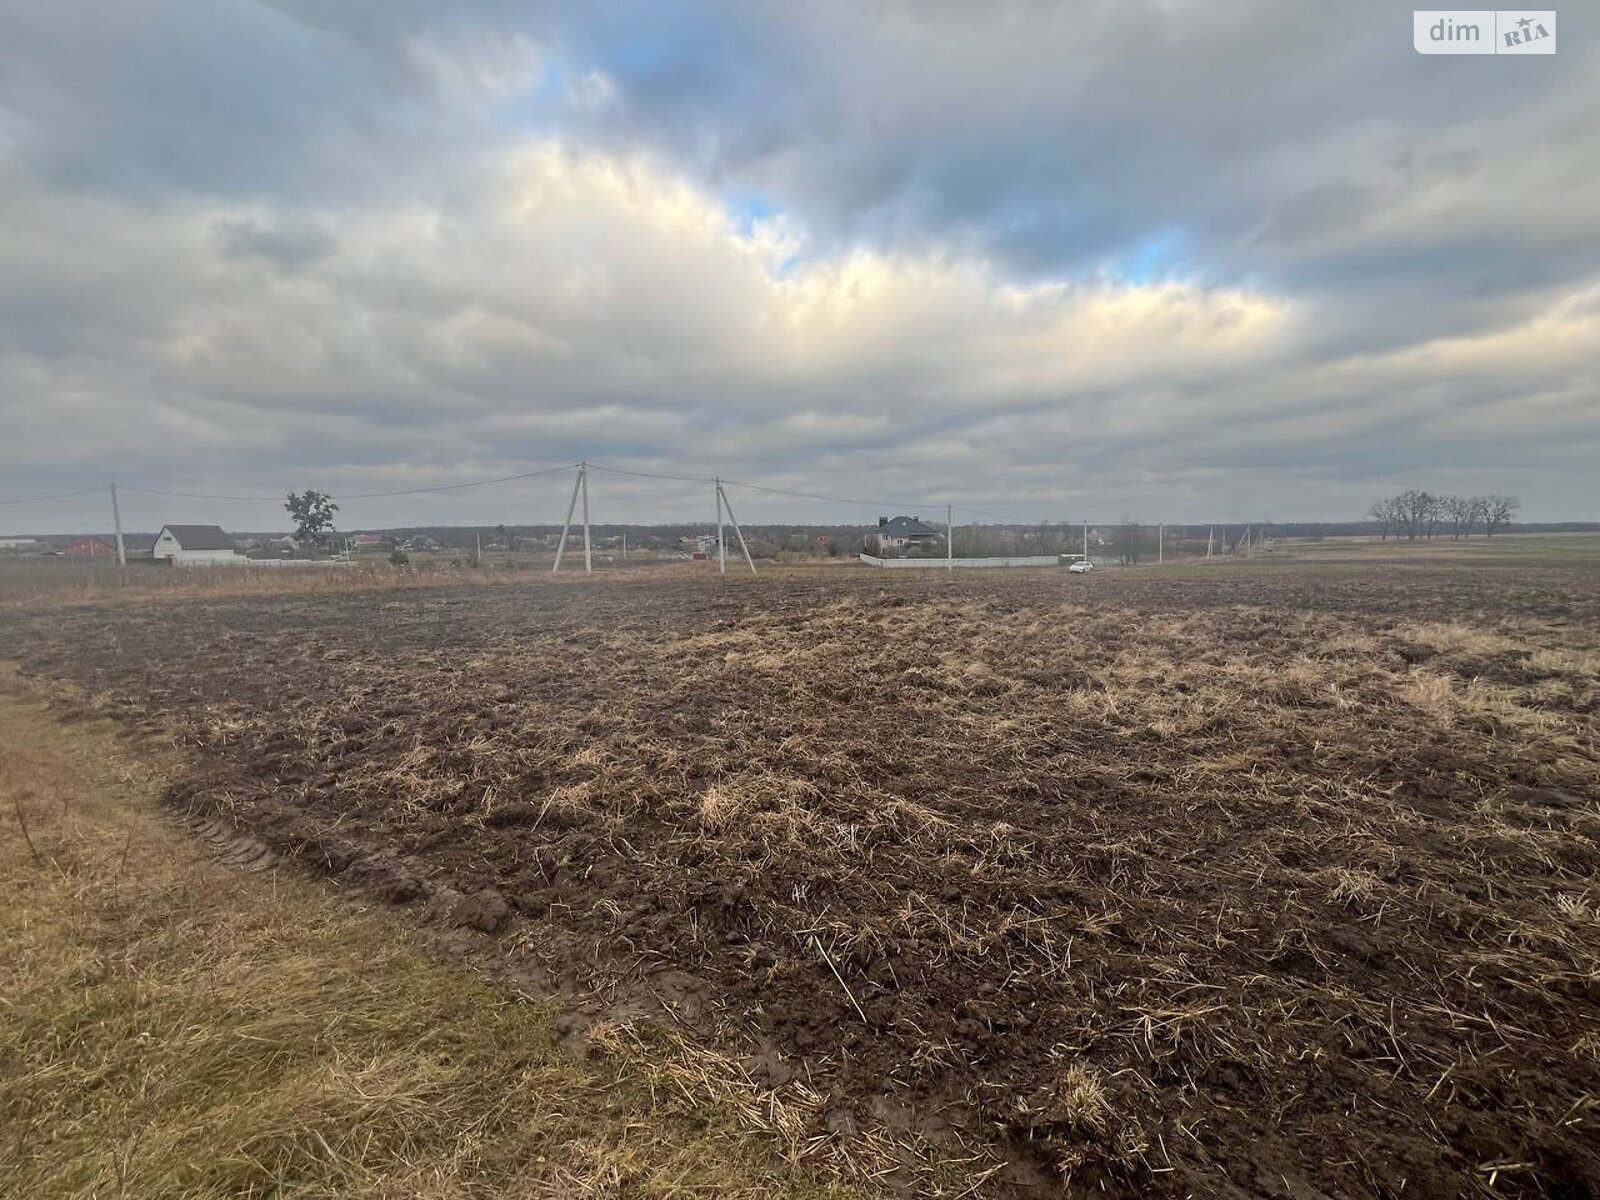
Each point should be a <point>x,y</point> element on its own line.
<point>1483,31</point>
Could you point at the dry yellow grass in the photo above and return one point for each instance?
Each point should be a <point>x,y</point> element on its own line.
<point>174,1028</point>
<point>51,582</point>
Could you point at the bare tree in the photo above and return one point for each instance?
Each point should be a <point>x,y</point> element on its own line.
<point>1126,540</point>
<point>1416,513</point>
<point>1387,512</point>
<point>1479,515</point>
<point>1498,511</point>
<point>1046,537</point>
<point>1413,513</point>
<point>1462,513</point>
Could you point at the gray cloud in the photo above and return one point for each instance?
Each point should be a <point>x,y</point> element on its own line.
<point>285,246</point>
<point>1262,260</point>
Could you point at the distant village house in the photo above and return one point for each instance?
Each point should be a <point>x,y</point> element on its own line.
<point>900,535</point>
<point>698,545</point>
<point>89,547</point>
<point>196,546</point>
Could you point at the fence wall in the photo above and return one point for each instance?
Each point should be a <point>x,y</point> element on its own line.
<point>239,560</point>
<point>1019,560</point>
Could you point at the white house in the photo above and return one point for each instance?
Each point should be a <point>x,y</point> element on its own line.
<point>901,534</point>
<point>196,546</point>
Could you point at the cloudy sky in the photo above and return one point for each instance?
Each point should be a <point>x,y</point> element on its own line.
<point>1195,261</point>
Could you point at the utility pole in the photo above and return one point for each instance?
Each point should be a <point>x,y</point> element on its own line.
<point>624,546</point>
<point>1086,541</point>
<point>566,525</point>
<point>477,558</point>
<point>1211,533</point>
<point>116,520</point>
<point>949,538</point>
<point>722,548</point>
<point>583,480</point>
<point>1161,544</point>
<point>722,501</point>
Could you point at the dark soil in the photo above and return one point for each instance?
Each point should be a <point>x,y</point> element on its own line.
<point>1244,882</point>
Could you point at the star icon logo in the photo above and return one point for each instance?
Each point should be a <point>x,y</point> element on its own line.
<point>1525,22</point>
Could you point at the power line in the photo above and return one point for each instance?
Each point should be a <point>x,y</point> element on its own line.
<point>128,487</point>
<point>476,483</point>
<point>653,475</point>
<point>452,487</point>
<point>442,487</point>
<point>759,487</point>
<point>978,512</point>
<point>56,496</point>
<point>996,516</point>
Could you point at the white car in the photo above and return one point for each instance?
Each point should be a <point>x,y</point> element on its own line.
<point>1081,567</point>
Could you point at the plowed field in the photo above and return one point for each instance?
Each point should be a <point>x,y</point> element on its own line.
<point>1240,882</point>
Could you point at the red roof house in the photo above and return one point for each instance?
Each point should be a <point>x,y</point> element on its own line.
<point>89,547</point>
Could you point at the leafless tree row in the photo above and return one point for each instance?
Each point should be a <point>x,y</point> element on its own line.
<point>1046,537</point>
<point>1417,514</point>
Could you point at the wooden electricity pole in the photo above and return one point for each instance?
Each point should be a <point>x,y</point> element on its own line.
<point>949,538</point>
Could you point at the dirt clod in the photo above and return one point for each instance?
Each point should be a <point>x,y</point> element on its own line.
<point>486,910</point>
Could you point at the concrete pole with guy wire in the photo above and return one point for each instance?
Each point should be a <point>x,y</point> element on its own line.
<point>116,521</point>
<point>722,547</point>
<point>566,526</point>
<point>723,500</point>
<point>588,553</point>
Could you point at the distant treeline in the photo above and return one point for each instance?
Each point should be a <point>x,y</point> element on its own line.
<point>990,537</point>
<point>1417,514</point>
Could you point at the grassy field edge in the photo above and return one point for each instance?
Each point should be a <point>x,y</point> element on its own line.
<point>176,1028</point>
